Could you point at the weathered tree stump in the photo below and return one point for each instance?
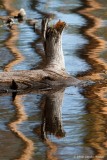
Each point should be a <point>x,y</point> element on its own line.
<point>52,75</point>
<point>52,39</point>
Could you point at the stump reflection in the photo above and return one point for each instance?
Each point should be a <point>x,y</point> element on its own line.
<point>51,116</point>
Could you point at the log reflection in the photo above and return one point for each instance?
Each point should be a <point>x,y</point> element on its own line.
<point>51,117</point>
<point>51,106</point>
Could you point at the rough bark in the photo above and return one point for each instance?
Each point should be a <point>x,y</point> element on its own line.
<point>53,74</point>
<point>52,39</point>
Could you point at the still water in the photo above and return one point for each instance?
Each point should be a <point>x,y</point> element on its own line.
<point>28,128</point>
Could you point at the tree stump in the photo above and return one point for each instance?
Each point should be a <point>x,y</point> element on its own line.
<point>52,75</point>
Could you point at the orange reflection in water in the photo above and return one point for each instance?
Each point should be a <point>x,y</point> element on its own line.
<point>96,127</point>
<point>12,39</point>
<point>21,117</point>
<point>96,106</point>
<point>96,45</point>
<point>20,113</point>
<point>52,149</point>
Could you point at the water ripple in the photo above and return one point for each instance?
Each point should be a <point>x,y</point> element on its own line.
<point>20,117</point>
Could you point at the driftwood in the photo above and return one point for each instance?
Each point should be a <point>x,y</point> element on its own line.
<point>53,74</point>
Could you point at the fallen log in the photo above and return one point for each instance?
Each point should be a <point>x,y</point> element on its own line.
<point>53,74</point>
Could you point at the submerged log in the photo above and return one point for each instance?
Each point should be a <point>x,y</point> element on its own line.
<point>53,74</point>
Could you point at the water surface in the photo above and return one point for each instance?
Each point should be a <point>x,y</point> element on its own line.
<point>31,128</point>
